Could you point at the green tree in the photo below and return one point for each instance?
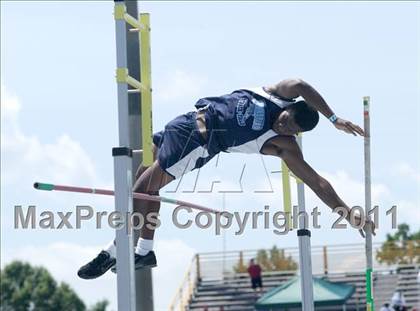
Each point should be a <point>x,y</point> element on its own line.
<point>280,262</point>
<point>263,260</point>
<point>240,267</point>
<point>402,247</point>
<point>23,287</point>
<point>271,260</point>
<point>100,306</point>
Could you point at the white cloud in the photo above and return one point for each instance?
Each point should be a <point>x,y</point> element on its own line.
<point>180,84</point>
<point>26,158</point>
<point>406,170</point>
<point>348,188</point>
<point>353,190</point>
<point>408,212</point>
<point>10,105</point>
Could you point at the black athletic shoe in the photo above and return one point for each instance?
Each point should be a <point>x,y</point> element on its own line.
<point>98,266</point>
<point>140,262</point>
<point>146,261</point>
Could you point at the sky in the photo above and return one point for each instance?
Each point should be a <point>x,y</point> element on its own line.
<point>59,117</point>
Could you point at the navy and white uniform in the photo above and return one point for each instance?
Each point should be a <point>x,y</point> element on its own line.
<point>237,122</point>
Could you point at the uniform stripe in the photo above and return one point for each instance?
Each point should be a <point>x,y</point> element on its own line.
<point>253,146</point>
<point>188,162</point>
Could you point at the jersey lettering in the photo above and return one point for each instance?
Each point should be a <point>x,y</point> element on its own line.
<point>245,109</point>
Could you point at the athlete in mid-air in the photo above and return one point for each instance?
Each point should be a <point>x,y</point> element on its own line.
<point>262,120</point>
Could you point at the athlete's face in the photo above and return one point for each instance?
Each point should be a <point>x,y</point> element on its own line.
<point>285,124</point>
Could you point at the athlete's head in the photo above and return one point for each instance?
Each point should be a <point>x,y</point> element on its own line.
<point>299,117</point>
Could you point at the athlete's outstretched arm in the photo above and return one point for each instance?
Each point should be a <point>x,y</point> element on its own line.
<point>322,188</point>
<point>292,88</point>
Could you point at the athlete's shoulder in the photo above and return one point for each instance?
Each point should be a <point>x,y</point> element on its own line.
<point>278,144</point>
<point>264,92</point>
<point>284,141</point>
<point>286,88</point>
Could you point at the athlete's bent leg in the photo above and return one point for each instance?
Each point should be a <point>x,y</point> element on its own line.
<point>150,182</point>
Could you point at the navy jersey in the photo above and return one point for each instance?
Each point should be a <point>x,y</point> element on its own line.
<point>241,121</point>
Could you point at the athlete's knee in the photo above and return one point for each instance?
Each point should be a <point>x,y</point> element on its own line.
<point>140,171</point>
<point>145,187</point>
<point>148,185</point>
<point>142,168</point>
<point>152,192</point>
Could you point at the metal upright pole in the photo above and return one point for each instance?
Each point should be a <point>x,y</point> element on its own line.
<point>123,175</point>
<point>135,132</point>
<point>368,241</point>
<point>305,262</point>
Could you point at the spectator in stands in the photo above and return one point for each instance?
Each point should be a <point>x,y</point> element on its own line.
<point>386,307</point>
<point>398,301</point>
<point>254,271</point>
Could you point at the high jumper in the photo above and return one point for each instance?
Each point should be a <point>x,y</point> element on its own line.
<point>261,120</point>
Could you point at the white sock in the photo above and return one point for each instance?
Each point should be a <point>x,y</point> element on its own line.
<point>144,246</point>
<point>111,249</point>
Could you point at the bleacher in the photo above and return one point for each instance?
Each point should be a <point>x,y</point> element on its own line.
<point>235,294</point>
<point>385,286</point>
<point>213,283</point>
<point>408,283</point>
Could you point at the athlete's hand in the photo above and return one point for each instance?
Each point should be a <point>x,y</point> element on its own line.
<point>348,127</point>
<point>369,225</point>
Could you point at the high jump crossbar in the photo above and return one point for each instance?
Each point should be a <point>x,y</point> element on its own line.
<point>136,195</point>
